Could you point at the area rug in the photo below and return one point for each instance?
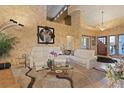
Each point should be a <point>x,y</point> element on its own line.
<point>82,78</point>
<point>105,60</point>
<point>53,82</point>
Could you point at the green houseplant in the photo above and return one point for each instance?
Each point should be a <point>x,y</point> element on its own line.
<point>6,44</point>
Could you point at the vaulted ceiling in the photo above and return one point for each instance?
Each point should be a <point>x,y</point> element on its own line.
<point>92,16</point>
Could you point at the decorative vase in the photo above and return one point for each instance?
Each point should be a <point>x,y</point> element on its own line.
<point>50,63</point>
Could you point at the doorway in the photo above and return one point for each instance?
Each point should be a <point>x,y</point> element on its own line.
<point>102,45</point>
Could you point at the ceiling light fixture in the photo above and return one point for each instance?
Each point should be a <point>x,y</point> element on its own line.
<point>61,12</point>
<point>102,26</point>
<point>65,8</point>
<point>55,18</point>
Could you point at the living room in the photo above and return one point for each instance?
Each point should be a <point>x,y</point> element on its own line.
<point>58,45</point>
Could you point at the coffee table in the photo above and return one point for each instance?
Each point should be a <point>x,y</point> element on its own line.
<point>61,72</point>
<point>58,70</point>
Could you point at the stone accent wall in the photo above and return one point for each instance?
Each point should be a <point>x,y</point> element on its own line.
<point>30,17</point>
<point>112,31</point>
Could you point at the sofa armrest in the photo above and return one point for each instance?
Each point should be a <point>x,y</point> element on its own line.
<point>94,58</point>
<point>92,61</point>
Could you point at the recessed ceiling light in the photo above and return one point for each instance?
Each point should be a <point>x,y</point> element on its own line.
<point>55,18</point>
<point>61,12</point>
<point>58,15</point>
<point>65,8</point>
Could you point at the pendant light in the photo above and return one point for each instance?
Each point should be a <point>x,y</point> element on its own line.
<point>102,26</point>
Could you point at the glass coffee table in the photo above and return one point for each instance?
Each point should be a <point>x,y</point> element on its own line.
<point>61,72</point>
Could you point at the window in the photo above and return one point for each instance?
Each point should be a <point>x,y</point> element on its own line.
<point>93,42</point>
<point>112,45</point>
<point>102,39</point>
<point>121,44</point>
<point>85,42</point>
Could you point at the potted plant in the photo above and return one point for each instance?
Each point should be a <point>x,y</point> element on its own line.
<point>50,62</point>
<point>6,44</point>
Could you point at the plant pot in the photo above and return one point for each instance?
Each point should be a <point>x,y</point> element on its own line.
<point>50,63</point>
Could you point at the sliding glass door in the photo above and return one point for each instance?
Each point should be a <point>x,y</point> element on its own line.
<point>121,44</point>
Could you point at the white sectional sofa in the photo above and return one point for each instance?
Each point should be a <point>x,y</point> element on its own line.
<point>86,58</point>
<point>40,55</point>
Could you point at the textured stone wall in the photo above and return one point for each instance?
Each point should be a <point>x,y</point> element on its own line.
<point>31,17</point>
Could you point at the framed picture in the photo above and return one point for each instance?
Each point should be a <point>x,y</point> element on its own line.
<point>45,35</point>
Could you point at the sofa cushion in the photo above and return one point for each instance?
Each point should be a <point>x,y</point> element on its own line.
<point>60,60</point>
<point>78,59</point>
